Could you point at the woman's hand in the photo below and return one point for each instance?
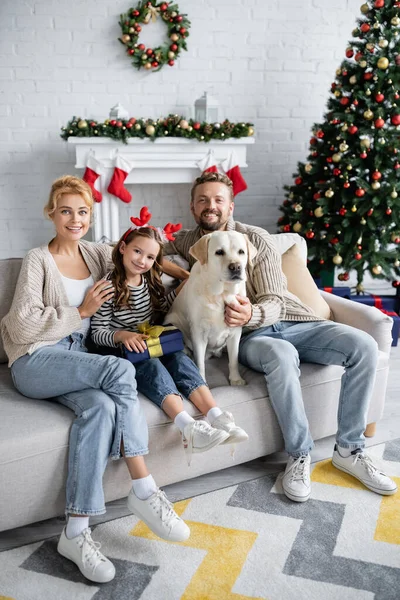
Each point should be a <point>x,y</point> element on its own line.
<point>96,296</point>
<point>132,341</point>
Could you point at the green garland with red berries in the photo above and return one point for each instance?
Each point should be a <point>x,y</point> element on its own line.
<point>171,126</point>
<point>154,58</point>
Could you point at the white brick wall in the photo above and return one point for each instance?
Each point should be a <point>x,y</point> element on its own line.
<point>270,62</point>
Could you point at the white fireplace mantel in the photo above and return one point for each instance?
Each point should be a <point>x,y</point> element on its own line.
<point>164,161</point>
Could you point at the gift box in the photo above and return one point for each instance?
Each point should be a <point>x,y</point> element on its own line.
<point>162,340</point>
<point>396,325</point>
<point>344,291</point>
<point>381,302</point>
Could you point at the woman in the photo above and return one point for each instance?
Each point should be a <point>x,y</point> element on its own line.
<point>60,287</point>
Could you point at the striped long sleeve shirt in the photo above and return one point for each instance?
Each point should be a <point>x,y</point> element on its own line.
<point>109,318</point>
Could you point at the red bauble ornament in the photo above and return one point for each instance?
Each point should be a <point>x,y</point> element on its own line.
<point>329,159</point>
<point>365,27</point>
<point>396,96</point>
<point>395,119</point>
<point>358,56</point>
<point>334,240</point>
<point>327,225</point>
<point>379,97</point>
<point>310,234</point>
<point>336,172</point>
<point>132,120</point>
<point>363,155</point>
<point>355,102</point>
<point>349,52</point>
<point>154,64</point>
<point>171,63</point>
<point>344,73</point>
<point>368,76</point>
<point>346,276</point>
<point>119,123</point>
<point>379,123</point>
<point>129,125</point>
<point>346,184</point>
<point>182,31</point>
<point>135,13</point>
<point>316,196</point>
<point>298,181</point>
<point>138,28</point>
<point>149,51</point>
<point>178,18</point>
<point>344,101</point>
<point>358,256</point>
<point>397,240</point>
<point>113,123</point>
<point>196,125</point>
<point>286,228</point>
<point>93,124</point>
<point>173,47</point>
<point>131,51</point>
<point>320,134</point>
<point>396,284</point>
<point>376,175</point>
<point>141,46</point>
<point>321,261</point>
<point>359,192</point>
<point>342,211</point>
<point>369,213</point>
<point>163,7</point>
<point>352,129</point>
<point>379,3</point>
<point>388,211</point>
<point>397,165</point>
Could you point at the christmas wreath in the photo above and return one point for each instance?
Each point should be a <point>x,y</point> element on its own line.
<point>172,126</point>
<point>154,58</point>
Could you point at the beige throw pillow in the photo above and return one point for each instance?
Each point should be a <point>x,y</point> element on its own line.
<point>301,283</point>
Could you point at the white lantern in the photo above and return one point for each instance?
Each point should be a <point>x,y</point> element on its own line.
<point>206,109</point>
<point>119,112</point>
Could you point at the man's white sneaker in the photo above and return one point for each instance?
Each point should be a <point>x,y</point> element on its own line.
<point>360,465</point>
<point>159,515</point>
<point>225,422</point>
<point>85,553</point>
<point>199,436</point>
<point>296,479</point>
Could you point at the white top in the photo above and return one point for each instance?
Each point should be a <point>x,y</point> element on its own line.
<point>76,290</point>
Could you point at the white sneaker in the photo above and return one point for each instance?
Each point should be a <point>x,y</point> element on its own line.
<point>199,436</point>
<point>85,553</point>
<point>159,515</point>
<point>227,423</point>
<point>296,479</point>
<point>360,465</point>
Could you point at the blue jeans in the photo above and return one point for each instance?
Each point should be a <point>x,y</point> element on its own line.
<point>158,377</point>
<point>101,390</point>
<point>277,351</point>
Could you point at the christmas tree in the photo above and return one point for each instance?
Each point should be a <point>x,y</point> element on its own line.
<point>345,199</point>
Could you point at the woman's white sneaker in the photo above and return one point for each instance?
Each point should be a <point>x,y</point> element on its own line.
<point>159,515</point>
<point>199,436</point>
<point>85,553</point>
<point>226,422</point>
<point>360,466</point>
<point>296,479</point>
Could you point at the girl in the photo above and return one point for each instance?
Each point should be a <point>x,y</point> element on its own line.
<point>59,288</point>
<point>139,293</point>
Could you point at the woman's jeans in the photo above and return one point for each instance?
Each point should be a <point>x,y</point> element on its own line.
<point>158,377</point>
<point>277,351</point>
<point>101,390</point>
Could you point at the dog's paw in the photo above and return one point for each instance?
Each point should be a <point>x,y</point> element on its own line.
<point>239,381</point>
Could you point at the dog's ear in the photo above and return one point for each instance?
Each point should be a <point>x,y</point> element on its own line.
<point>251,250</point>
<point>199,250</point>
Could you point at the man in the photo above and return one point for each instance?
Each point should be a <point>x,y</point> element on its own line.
<point>280,331</point>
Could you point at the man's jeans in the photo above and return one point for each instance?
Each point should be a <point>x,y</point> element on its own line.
<point>277,351</point>
<point>158,377</point>
<point>101,390</point>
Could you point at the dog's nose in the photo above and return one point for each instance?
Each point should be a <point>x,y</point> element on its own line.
<point>235,268</point>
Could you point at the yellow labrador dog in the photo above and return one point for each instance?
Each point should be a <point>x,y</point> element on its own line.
<point>215,279</point>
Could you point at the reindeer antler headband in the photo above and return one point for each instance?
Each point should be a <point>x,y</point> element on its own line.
<point>166,234</point>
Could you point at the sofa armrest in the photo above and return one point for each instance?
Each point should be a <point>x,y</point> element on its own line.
<point>366,318</point>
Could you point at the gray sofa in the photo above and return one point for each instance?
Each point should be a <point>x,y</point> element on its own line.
<point>34,434</point>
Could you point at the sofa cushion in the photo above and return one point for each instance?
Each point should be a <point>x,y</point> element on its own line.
<point>301,283</point>
<point>9,271</point>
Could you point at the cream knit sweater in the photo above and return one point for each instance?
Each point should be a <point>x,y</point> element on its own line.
<point>40,314</point>
<point>266,284</point>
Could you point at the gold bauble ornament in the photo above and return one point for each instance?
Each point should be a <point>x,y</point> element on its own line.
<point>183,124</point>
<point>308,168</point>
<point>375,185</point>
<point>297,207</point>
<point>353,79</point>
<point>370,46</point>
<point>393,194</point>
<point>396,263</point>
<point>150,129</point>
<point>365,143</point>
<point>138,126</point>
<point>349,167</point>
<point>338,72</point>
<point>363,64</point>
<point>354,209</point>
<point>147,66</point>
<point>376,269</point>
<point>329,193</point>
<point>336,157</point>
<point>174,37</point>
<point>395,21</point>
<point>337,260</point>
<point>364,8</point>
<point>190,128</point>
<point>132,30</point>
<point>383,63</point>
<point>368,92</point>
<point>171,55</point>
<point>344,127</point>
<point>394,236</point>
<point>297,227</point>
<point>173,14</point>
<point>251,131</point>
<point>337,93</point>
<point>318,212</point>
<point>82,124</point>
<point>382,140</point>
<point>343,147</point>
<point>126,38</point>
<point>383,43</point>
<point>368,114</point>
<point>363,221</point>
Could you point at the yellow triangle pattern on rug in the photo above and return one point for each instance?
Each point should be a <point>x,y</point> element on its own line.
<point>388,523</point>
<point>227,551</point>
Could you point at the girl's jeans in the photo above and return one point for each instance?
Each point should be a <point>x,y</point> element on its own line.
<point>158,377</point>
<point>101,390</point>
<point>277,351</point>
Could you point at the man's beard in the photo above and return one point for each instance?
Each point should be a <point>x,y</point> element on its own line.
<point>211,226</point>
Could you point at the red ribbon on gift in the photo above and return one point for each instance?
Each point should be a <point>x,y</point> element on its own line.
<point>378,302</point>
<point>328,289</point>
<point>390,313</point>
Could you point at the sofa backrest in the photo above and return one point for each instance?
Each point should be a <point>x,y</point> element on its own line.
<point>9,271</point>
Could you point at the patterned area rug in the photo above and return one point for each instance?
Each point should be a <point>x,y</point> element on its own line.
<point>247,541</point>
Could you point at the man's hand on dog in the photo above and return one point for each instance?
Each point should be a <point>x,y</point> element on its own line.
<point>238,314</point>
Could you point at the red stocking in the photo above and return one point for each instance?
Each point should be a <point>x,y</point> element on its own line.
<point>116,187</point>
<point>90,175</point>
<point>208,164</point>
<point>232,170</point>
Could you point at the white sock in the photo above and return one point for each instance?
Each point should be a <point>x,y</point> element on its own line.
<point>144,488</point>
<point>182,419</point>
<point>344,452</point>
<point>75,526</point>
<point>213,414</point>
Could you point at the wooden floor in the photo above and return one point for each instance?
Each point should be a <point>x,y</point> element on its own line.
<point>388,428</point>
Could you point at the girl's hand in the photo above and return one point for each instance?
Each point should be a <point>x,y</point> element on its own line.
<point>132,341</point>
<point>96,296</point>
